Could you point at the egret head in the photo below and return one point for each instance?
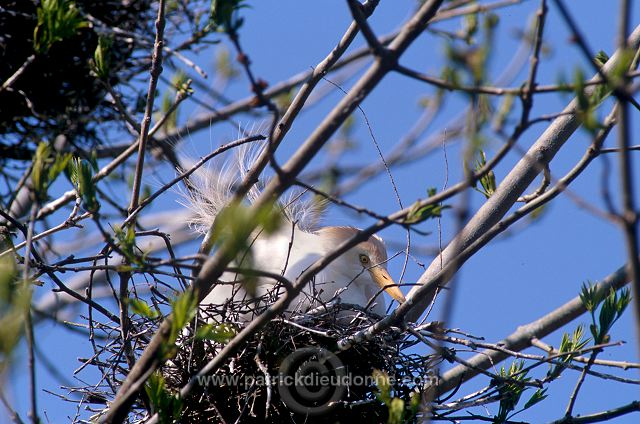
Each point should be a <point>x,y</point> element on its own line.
<point>368,257</point>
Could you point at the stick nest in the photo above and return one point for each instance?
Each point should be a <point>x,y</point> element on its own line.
<point>258,382</point>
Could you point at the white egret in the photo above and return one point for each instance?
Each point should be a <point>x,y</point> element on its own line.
<point>357,277</point>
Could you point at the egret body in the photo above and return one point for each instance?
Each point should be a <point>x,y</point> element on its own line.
<point>359,276</point>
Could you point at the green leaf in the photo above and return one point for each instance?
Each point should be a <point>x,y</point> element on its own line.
<point>172,120</point>
<point>381,380</point>
<point>101,63</point>
<point>414,404</point>
<point>93,161</point>
<point>607,316</point>
<point>601,57</point>
<point>183,308</point>
<point>595,332</point>
<point>488,180</point>
<point>226,67</point>
<point>506,107</point>
<point>622,66</point>
<point>589,296</point>
<point>57,20</point>
<point>225,14</point>
<point>623,302</point>
<point>220,333</point>
<point>167,405</point>
<point>395,405</point>
<point>396,411</point>
<point>15,300</point>
<point>269,218</point>
<point>470,27</point>
<point>510,392</point>
<point>451,75</point>
<point>235,223</point>
<point>578,83</point>
<point>46,168</point>
<point>537,397</point>
<point>126,241</point>
<point>146,193</point>
<point>40,164</point>
<point>155,387</point>
<point>588,102</point>
<point>611,309</point>
<point>491,20</point>
<point>81,176</point>
<point>348,127</point>
<point>59,164</point>
<point>568,344</point>
<point>418,213</point>
<point>538,212</point>
<point>142,308</point>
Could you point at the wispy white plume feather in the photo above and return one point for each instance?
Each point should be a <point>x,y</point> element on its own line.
<point>212,187</point>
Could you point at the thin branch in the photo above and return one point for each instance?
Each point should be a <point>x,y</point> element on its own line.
<point>618,150</point>
<point>359,17</point>
<point>607,415</point>
<point>618,91</point>
<point>12,413</point>
<point>156,69</point>
<point>603,362</point>
<point>629,216</point>
<point>28,322</point>
<point>13,78</point>
<point>499,91</point>
<point>576,389</point>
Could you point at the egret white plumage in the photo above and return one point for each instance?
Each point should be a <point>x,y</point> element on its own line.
<point>357,277</point>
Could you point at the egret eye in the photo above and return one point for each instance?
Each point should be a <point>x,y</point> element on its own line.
<point>364,260</point>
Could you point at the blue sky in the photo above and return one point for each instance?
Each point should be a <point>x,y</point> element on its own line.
<point>513,280</point>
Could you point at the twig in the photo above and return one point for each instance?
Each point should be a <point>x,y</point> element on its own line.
<point>601,416</point>
<point>360,18</point>
<point>12,413</point>
<point>546,180</point>
<point>617,150</point>
<point>603,362</point>
<point>620,92</point>
<point>28,323</point>
<point>267,379</point>
<point>156,69</point>
<point>629,217</point>
<point>9,81</point>
<point>498,91</point>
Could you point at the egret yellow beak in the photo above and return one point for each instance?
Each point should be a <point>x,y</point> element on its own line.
<point>384,280</point>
